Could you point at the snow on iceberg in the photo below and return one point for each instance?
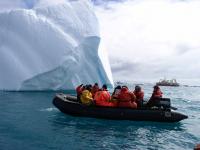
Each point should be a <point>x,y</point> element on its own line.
<point>51,48</point>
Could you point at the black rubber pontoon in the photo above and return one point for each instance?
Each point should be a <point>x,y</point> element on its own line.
<point>69,105</point>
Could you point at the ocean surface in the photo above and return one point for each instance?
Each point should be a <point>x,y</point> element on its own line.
<point>29,121</point>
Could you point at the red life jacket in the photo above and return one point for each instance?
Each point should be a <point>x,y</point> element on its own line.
<point>79,90</point>
<point>127,104</point>
<point>126,99</point>
<point>102,98</point>
<point>157,94</point>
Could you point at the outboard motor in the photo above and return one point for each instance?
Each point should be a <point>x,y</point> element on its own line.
<point>164,103</point>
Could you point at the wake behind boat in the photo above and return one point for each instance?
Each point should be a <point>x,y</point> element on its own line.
<point>68,104</point>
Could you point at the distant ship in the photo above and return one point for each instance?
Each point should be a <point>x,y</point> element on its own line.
<point>164,82</point>
<point>119,83</point>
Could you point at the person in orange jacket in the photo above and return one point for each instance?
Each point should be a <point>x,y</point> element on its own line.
<point>156,95</point>
<point>102,97</point>
<point>126,98</point>
<point>139,93</point>
<point>95,89</point>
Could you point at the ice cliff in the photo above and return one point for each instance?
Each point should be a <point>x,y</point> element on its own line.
<point>51,48</point>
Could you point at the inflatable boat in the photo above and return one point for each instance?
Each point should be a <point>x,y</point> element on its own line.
<point>69,105</point>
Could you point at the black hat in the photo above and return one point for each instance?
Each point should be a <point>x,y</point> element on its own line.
<point>137,87</point>
<point>156,87</point>
<point>104,86</point>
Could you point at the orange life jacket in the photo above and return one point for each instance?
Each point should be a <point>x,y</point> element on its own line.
<point>95,89</point>
<point>102,98</point>
<point>127,104</point>
<point>126,99</point>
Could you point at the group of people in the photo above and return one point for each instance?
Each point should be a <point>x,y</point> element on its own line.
<point>121,97</point>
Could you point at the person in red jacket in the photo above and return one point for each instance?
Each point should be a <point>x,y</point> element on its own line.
<point>79,91</point>
<point>126,98</point>
<point>102,97</point>
<point>95,89</point>
<point>157,93</point>
<point>139,93</point>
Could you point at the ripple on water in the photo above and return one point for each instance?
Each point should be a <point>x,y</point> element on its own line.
<point>49,109</point>
<point>30,121</point>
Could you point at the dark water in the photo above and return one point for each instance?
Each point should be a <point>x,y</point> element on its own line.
<point>30,121</point>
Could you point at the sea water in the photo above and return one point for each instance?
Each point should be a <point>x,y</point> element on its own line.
<point>29,121</point>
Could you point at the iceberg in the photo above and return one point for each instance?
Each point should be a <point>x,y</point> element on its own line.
<point>53,47</point>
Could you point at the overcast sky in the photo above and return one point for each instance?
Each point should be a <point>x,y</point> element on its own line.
<point>146,39</point>
<point>151,38</point>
